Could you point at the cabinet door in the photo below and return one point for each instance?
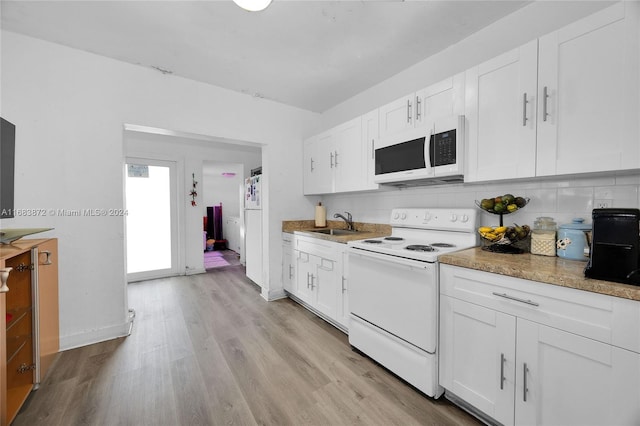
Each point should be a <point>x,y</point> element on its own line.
<point>589,73</point>
<point>566,379</point>
<point>477,356</point>
<point>348,160</point>
<point>318,165</point>
<point>399,115</point>
<point>47,299</point>
<point>305,266</point>
<point>500,106</point>
<point>288,269</point>
<point>369,137</point>
<point>325,284</point>
<point>343,294</point>
<point>444,99</point>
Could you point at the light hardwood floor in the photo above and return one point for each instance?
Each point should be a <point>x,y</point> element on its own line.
<point>207,349</point>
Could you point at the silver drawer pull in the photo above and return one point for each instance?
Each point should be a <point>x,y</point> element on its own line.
<point>502,378</point>
<point>517,299</point>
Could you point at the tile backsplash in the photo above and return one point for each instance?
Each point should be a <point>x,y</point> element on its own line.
<point>560,198</point>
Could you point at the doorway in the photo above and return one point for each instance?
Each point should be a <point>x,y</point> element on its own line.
<point>151,221</point>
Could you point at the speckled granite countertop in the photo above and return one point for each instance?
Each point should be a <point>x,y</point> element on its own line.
<point>545,269</point>
<point>366,230</point>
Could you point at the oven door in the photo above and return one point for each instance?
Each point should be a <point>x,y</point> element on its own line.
<point>395,294</point>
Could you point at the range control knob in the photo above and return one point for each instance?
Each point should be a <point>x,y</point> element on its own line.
<point>464,218</point>
<point>396,215</point>
<point>427,217</point>
<point>453,217</point>
<point>403,216</point>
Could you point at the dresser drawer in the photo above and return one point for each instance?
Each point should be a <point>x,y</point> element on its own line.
<point>592,315</point>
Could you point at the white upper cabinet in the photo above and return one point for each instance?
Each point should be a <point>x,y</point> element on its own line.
<point>347,157</point>
<point>340,159</point>
<point>500,108</point>
<point>421,108</point>
<point>402,114</point>
<point>443,99</point>
<point>588,94</point>
<point>564,104</point>
<point>369,138</point>
<point>317,171</point>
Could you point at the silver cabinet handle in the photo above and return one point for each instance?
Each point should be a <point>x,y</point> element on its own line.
<point>408,111</point>
<point>525,389</point>
<point>502,379</point>
<point>336,159</point>
<point>47,261</point>
<point>290,272</point>
<point>312,164</point>
<point>308,279</point>
<point>331,160</point>
<point>418,104</point>
<point>373,149</point>
<point>524,109</point>
<point>545,97</point>
<point>517,299</point>
<point>343,287</point>
<point>312,284</point>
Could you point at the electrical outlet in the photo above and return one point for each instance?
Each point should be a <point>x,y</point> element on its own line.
<point>603,203</point>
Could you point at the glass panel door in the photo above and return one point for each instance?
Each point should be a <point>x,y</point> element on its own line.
<point>151,225</point>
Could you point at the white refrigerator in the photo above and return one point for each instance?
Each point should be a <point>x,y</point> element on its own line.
<point>253,228</point>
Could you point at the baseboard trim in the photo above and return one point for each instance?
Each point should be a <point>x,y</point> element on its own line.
<point>195,271</point>
<point>95,336</point>
<point>319,314</point>
<point>270,296</point>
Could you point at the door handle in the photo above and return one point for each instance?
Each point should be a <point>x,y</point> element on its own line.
<point>418,105</point>
<point>308,279</point>
<point>336,159</point>
<point>47,260</point>
<point>312,164</point>
<point>545,97</point>
<point>290,272</point>
<point>343,287</point>
<point>408,111</point>
<point>331,159</point>
<point>517,299</point>
<point>502,379</point>
<point>524,110</point>
<point>373,150</point>
<point>524,381</point>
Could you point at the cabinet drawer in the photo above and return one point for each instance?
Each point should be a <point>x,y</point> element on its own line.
<point>596,316</point>
<point>321,248</point>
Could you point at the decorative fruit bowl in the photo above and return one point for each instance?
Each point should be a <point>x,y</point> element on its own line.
<point>501,239</point>
<point>503,204</point>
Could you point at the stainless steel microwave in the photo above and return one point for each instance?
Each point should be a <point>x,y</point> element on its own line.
<point>430,154</point>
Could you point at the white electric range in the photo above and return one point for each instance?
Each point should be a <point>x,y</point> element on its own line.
<point>394,290</point>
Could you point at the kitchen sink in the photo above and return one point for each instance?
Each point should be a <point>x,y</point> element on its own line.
<point>335,232</point>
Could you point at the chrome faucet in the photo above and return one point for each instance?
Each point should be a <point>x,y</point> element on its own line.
<point>348,219</point>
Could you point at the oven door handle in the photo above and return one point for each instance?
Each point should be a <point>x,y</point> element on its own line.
<point>390,258</point>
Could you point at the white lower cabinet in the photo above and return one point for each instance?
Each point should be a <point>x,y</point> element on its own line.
<point>288,263</point>
<point>499,357</point>
<point>318,279</point>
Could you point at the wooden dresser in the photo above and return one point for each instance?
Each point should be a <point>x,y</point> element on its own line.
<point>29,320</point>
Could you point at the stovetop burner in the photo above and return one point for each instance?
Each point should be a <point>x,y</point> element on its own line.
<point>420,247</point>
<point>373,241</point>
<point>394,238</point>
<point>443,245</point>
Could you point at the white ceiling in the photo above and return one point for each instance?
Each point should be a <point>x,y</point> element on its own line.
<point>309,54</point>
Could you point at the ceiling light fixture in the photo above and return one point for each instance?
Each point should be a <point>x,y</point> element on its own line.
<point>253,5</point>
<point>228,174</point>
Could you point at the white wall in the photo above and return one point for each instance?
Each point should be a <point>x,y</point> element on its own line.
<point>218,189</point>
<point>69,107</point>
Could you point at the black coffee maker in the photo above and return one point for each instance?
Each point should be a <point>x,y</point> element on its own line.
<point>615,246</point>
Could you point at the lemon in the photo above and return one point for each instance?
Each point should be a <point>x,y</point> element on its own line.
<point>485,229</point>
<point>500,229</point>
